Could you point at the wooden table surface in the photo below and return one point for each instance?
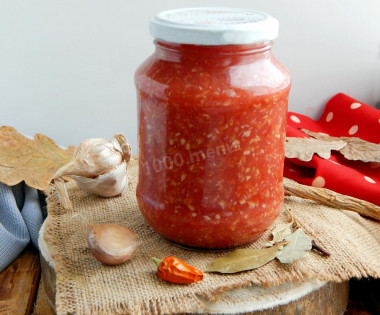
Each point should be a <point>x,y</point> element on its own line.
<point>21,291</point>
<point>19,284</point>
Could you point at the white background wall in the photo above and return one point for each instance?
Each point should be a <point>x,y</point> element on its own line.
<point>66,67</point>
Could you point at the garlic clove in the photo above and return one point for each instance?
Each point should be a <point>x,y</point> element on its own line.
<point>110,184</point>
<point>111,244</point>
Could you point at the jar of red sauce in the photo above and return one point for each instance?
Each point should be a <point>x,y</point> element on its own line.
<point>212,103</point>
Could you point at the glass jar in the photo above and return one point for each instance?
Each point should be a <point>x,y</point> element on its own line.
<point>212,103</point>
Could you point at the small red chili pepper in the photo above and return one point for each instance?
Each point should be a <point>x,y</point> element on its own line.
<point>174,270</point>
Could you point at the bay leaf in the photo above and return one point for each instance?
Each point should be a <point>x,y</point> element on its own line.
<point>280,232</point>
<point>244,259</point>
<point>304,148</point>
<point>299,244</point>
<point>34,161</point>
<point>355,149</point>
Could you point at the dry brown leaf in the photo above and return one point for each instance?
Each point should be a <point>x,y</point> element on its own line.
<point>304,148</point>
<point>355,149</point>
<point>34,161</point>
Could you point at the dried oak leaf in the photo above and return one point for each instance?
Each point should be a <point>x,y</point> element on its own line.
<point>304,148</point>
<point>355,149</point>
<point>34,161</point>
<point>244,259</point>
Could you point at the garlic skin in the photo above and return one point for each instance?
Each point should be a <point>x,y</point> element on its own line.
<point>111,244</point>
<point>99,166</point>
<point>93,157</point>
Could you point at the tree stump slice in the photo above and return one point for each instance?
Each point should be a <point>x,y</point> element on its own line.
<point>42,305</point>
<point>311,298</point>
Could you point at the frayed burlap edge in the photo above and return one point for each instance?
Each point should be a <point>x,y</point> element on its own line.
<point>353,241</point>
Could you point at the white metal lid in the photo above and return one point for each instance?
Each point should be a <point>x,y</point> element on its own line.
<point>213,26</point>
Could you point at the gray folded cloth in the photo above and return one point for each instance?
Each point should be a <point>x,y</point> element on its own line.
<point>21,217</point>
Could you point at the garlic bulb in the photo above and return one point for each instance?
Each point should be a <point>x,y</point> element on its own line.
<point>99,166</point>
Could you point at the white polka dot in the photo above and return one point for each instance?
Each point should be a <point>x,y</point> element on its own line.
<point>329,116</point>
<point>319,181</point>
<point>369,179</point>
<point>379,120</point>
<point>354,129</point>
<point>295,119</point>
<point>355,105</point>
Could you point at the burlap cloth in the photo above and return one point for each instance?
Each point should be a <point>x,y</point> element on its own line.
<point>84,286</point>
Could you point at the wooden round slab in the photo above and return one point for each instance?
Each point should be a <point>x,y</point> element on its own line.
<point>309,298</point>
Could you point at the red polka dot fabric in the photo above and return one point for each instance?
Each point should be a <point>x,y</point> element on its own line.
<point>343,117</point>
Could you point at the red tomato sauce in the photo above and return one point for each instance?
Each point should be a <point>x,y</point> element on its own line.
<point>211,142</point>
